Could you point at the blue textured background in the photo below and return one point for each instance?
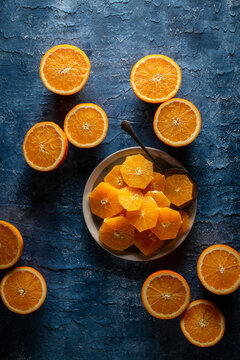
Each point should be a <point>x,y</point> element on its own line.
<point>93,309</point>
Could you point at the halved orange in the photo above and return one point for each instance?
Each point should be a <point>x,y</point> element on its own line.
<point>177,122</point>
<point>218,269</point>
<point>116,233</point>
<point>86,125</point>
<point>179,189</point>
<point>168,224</point>
<point>64,69</point>
<point>45,146</point>
<point>165,294</point>
<point>203,324</point>
<point>147,242</point>
<point>137,171</point>
<point>185,222</point>
<point>104,201</point>
<point>23,290</point>
<point>11,245</point>
<point>159,197</point>
<point>130,198</point>
<point>157,183</point>
<point>155,78</point>
<point>114,177</point>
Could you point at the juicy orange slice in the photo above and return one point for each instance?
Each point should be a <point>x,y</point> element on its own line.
<point>137,171</point>
<point>11,245</point>
<point>168,224</point>
<point>185,222</point>
<point>86,125</point>
<point>218,269</point>
<point>203,324</point>
<point>179,189</point>
<point>116,233</point>
<point>45,146</point>
<point>160,198</point>
<point>23,290</point>
<point>147,242</point>
<point>146,217</point>
<point>104,201</point>
<point>177,122</point>
<point>155,78</point>
<point>114,177</point>
<point>165,294</point>
<point>130,198</point>
<point>64,69</point>
<point>157,183</point>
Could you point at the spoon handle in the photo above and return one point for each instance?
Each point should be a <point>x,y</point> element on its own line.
<point>126,126</point>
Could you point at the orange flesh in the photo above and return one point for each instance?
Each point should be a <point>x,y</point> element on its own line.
<point>160,198</point>
<point>186,222</point>
<point>137,171</point>
<point>178,189</point>
<point>130,198</point>
<point>10,244</point>
<point>147,242</point>
<point>168,224</point>
<point>146,217</point>
<point>157,183</point>
<point>114,177</point>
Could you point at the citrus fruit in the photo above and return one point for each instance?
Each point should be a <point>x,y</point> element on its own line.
<point>165,294</point>
<point>203,324</point>
<point>11,245</point>
<point>157,183</point>
<point>177,122</point>
<point>64,69</point>
<point>116,233</point>
<point>179,189</point>
<point>159,197</point>
<point>146,217</point>
<point>86,125</point>
<point>23,290</point>
<point>45,146</point>
<point>218,269</point>
<point>168,224</point>
<point>185,222</point>
<point>104,201</point>
<point>147,242</point>
<point>114,177</point>
<point>155,78</point>
<point>137,171</point>
<point>130,198</point>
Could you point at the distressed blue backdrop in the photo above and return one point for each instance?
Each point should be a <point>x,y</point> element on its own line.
<point>93,308</point>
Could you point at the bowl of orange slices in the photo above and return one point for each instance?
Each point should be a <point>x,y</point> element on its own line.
<point>133,211</point>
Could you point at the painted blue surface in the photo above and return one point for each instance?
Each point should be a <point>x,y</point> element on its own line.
<point>93,308</point>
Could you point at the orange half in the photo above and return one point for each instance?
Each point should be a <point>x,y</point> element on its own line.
<point>11,245</point>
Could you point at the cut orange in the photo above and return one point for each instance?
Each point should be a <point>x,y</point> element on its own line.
<point>45,146</point>
<point>203,324</point>
<point>86,125</point>
<point>218,269</point>
<point>146,217</point>
<point>116,233</point>
<point>104,201</point>
<point>165,294</point>
<point>11,245</point>
<point>137,171</point>
<point>160,198</point>
<point>185,222</point>
<point>157,183</point>
<point>177,122</point>
<point>168,224</point>
<point>23,290</point>
<point>130,198</point>
<point>114,177</point>
<point>64,69</point>
<point>147,242</point>
<point>155,78</point>
<point>179,189</point>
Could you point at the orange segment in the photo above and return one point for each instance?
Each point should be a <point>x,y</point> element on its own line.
<point>160,198</point>
<point>147,242</point>
<point>23,290</point>
<point>168,224</point>
<point>165,294</point>
<point>218,269</point>
<point>114,177</point>
<point>155,78</point>
<point>116,233</point>
<point>185,222</point>
<point>86,125</point>
<point>137,171</point>
<point>64,69</point>
<point>45,146</point>
<point>11,245</point>
<point>177,122</point>
<point>157,183</point>
<point>130,198</point>
<point>146,217</point>
<point>203,324</point>
<point>179,189</point>
<point>104,201</point>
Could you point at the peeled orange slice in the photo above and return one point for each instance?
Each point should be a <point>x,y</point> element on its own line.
<point>168,224</point>
<point>157,183</point>
<point>160,198</point>
<point>45,146</point>
<point>147,242</point>
<point>11,245</point>
<point>114,177</point>
<point>179,190</point>
<point>137,171</point>
<point>203,324</point>
<point>64,69</point>
<point>23,290</point>
<point>130,198</point>
<point>165,294</point>
<point>86,125</point>
<point>185,222</point>
<point>155,78</point>
<point>177,122</point>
